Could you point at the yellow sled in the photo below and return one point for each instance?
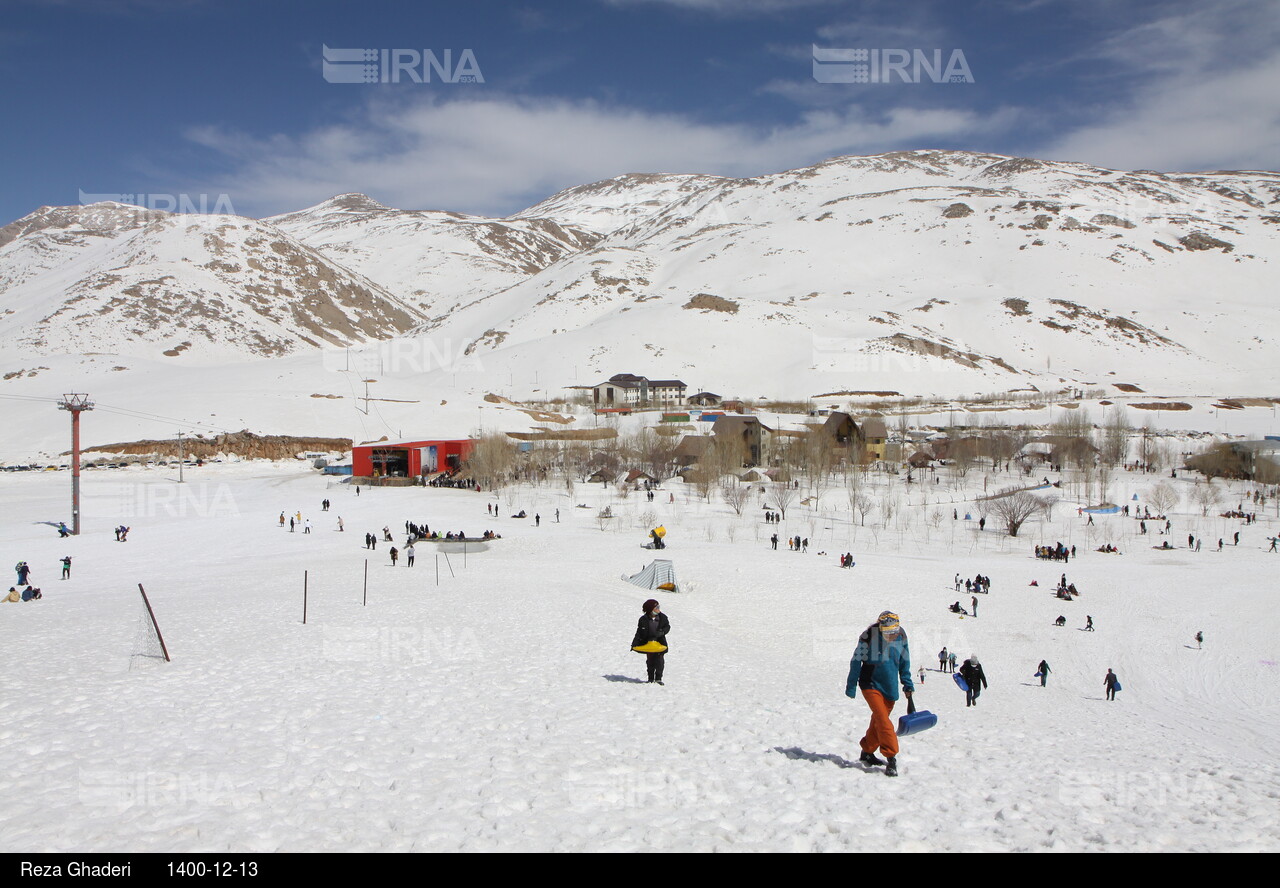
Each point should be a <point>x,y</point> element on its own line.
<point>651,647</point>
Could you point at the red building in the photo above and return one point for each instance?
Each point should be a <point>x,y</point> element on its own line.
<point>402,459</point>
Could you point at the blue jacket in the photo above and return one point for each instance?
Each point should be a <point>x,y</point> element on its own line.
<point>878,665</point>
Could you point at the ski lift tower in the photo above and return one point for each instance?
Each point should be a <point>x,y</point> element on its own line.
<point>77,404</point>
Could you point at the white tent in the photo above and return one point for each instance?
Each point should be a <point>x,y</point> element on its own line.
<point>660,574</point>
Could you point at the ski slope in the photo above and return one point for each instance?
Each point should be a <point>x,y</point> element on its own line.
<point>501,708</point>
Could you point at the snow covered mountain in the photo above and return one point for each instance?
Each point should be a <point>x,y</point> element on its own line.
<point>432,259</point>
<point>915,271</point>
<point>113,278</point>
<point>920,272</point>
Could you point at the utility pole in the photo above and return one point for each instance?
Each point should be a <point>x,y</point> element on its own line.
<point>77,404</point>
<point>181,456</point>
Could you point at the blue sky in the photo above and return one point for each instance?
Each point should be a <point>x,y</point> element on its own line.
<point>213,97</point>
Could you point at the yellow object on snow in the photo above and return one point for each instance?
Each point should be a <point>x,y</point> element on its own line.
<point>651,647</point>
<point>660,531</point>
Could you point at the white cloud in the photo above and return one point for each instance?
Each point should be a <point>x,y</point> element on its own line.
<point>1196,89</point>
<point>498,155</point>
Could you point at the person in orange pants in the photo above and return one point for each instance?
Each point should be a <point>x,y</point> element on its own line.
<point>880,663</point>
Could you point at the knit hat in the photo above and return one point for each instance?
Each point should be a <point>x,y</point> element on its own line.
<point>650,605</point>
<point>888,622</point>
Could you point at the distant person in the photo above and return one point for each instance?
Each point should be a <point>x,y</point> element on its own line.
<point>395,553</point>
<point>408,555</point>
<point>942,660</point>
<point>974,677</point>
<point>1088,624</point>
<point>1043,670</point>
<point>66,567</point>
<point>1199,640</point>
<point>1110,683</point>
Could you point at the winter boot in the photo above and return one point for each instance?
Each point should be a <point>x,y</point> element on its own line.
<point>891,767</point>
<point>869,758</point>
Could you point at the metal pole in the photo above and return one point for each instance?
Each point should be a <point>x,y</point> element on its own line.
<point>366,582</point>
<point>75,472</point>
<point>75,403</point>
<point>304,598</point>
<point>437,570</point>
<point>181,457</point>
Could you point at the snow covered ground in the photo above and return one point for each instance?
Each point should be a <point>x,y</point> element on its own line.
<point>500,708</point>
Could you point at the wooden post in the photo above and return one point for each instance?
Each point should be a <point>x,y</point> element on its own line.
<point>154,624</point>
<point>304,598</point>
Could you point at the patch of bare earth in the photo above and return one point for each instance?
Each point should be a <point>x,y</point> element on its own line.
<point>708,302</point>
<point>1161,405</point>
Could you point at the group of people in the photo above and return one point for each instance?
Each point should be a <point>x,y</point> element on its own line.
<point>296,520</point>
<point>23,570</point>
<point>1066,590</point>
<point>447,480</point>
<point>772,518</point>
<point>122,534</point>
<point>980,584</point>
<point>846,560</point>
<point>1056,552</point>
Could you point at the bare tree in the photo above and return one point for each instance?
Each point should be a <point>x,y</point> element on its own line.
<point>1105,475</point>
<point>784,494</point>
<point>658,455</point>
<point>1206,495</point>
<point>816,454</point>
<point>1115,437</point>
<point>1013,507</point>
<point>492,460</point>
<point>736,494</point>
<point>1164,497</point>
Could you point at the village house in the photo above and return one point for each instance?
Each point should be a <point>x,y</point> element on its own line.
<point>630,390</point>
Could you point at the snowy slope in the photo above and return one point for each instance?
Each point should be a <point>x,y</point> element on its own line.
<point>434,260</point>
<point>915,272</point>
<point>210,287</point>
<point>919,272</point>
<point>439,717</point>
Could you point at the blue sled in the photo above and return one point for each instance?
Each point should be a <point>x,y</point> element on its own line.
<point>915,722</point>
<point>960,682</point>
